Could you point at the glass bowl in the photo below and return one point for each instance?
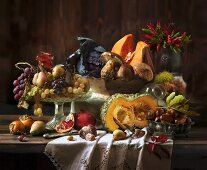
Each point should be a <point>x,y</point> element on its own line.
<point>173,130</point>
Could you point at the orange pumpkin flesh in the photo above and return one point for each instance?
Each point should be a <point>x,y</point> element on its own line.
<point>124,109</point>
<point>141,55</point>
<point>124,46</point>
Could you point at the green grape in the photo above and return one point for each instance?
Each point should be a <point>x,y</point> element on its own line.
<point>177,100</point>
<point>186,107</point>
<point>170,97</point>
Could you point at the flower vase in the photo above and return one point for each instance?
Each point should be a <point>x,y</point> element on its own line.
<point>169,60</point>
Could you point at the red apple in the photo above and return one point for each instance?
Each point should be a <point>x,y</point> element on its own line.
<point>84,118</point>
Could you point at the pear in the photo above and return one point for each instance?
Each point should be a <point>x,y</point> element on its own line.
<point>39,79</point>
<point>119,135</point>
<point>58,71</point>
<point>37,128</point>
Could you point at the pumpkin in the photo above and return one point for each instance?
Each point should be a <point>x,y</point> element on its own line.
<point>141,55</point>
<point>124,46</point>
<point>125,49</point>
<point>127,109</point>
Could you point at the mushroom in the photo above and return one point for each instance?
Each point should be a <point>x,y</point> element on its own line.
<point>108,71</point>
<point>125,72</point>
<point>106,56</point>
<point>143,71</point>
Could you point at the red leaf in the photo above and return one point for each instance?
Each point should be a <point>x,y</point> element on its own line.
<point>162,138</point>
<point>45,60</point>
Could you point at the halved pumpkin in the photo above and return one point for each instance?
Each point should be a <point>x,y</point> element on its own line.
<point>124,46</point>
<point>127,109</point>
<point>141,55</point>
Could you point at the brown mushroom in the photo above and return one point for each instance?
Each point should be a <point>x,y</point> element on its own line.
<point>108,71</point>
<point>106,56</point>
<point>125,72</point>
<point>143,71</point>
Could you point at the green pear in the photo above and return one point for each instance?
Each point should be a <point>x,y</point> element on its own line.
<point>37,128</point>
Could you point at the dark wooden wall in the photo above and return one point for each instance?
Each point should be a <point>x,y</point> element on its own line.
<point>30,26</point>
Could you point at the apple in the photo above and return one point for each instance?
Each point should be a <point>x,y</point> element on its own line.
<point>58,71</point>
<point>84,118</point>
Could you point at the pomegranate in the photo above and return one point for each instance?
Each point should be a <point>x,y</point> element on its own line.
<point>64,126</point>
<point>84,118</point>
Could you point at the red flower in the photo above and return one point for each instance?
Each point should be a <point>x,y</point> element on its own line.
<point>45,60</point>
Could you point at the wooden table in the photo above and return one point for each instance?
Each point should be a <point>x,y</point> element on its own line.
<point>188,152</point>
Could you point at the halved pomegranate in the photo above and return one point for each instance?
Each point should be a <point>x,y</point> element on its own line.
<point>65,125</point>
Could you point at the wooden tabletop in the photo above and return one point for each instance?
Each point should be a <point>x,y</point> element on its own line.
<point>10,143</point>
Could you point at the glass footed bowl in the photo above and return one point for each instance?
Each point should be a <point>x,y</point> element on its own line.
<point>59,106</point>
<point>174,130</point>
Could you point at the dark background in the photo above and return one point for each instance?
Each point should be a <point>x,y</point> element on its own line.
<point>30,26</point>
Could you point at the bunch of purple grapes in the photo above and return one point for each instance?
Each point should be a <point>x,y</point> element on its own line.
<point>58,85</point>
<point>20,83</point>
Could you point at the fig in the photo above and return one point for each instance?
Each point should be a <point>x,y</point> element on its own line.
<point>90,129</point>
<point>37,128</point>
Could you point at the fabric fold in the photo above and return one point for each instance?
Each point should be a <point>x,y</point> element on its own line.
<point>104,153</point>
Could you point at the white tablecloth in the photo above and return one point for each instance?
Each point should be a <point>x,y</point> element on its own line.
<point>104,153</point>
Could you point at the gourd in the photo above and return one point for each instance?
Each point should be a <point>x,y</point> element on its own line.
<point>141,55</point>
<point>124,46</point>
<point>130,55</point>
<point>127,109</point>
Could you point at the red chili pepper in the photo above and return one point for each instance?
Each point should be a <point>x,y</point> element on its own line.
<point>168,39</point>
<point>158,24</point>
<point>151,27</point>
<point>158,47</point>
<point>183,36</point>
<point>147,36</point>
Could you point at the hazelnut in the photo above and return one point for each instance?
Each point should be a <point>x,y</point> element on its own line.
<point>70,138</point>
